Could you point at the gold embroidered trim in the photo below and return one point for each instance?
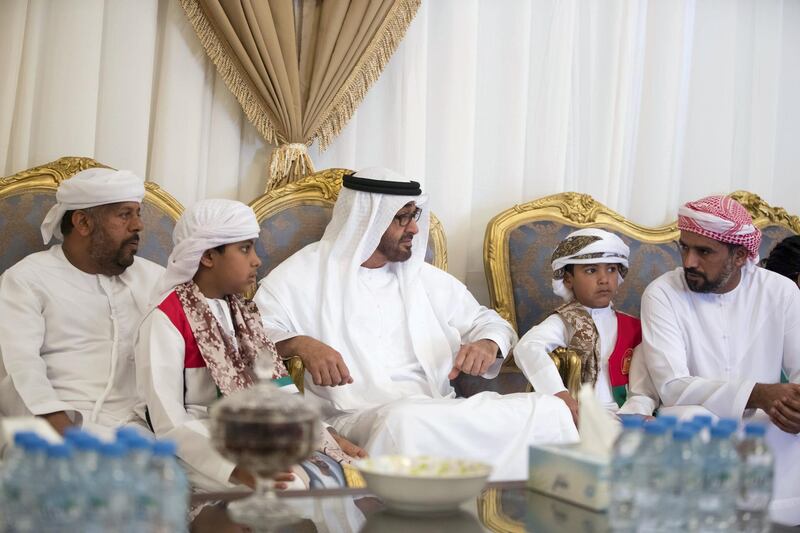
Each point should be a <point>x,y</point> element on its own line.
<point>367,71</point>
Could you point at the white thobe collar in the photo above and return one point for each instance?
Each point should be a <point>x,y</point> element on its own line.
<point>139,297</point>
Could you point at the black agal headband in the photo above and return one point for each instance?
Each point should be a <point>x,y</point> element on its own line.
<point>397,188</point>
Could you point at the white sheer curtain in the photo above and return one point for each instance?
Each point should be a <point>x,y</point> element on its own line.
<point>642,104</point>
<point>128,83</point>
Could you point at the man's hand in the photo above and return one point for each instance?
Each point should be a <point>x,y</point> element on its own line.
<point>59,420</point>
<point>764,395</point>
<point>282,480</point>
<point>785,412</point>
<point>351,449</point>
<point>571,403</point>
<point>781,401</point>
<point>325,364</point>
<point>245,477</point>
<point>474,358</point>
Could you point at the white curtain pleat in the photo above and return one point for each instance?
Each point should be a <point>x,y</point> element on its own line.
<point>643,104</point>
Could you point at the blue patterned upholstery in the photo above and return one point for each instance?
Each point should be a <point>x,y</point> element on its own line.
<point>20,218</point>
<point>23,208</point>
<point>770,237</point>
<point>287,231</point>
<point>156,238</point>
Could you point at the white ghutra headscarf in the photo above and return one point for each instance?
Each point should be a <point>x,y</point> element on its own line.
<point>90,188</point>
<point>206,225</point>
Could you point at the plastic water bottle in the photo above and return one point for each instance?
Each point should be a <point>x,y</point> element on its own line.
<point>10,485</point>
<point>623,485</point>
<point>172,487</point>
<point>650,476</point>
<point>705,422</point>
<point>20,483</point>
<point>87,464</point>
<point>755,481</point>
<point>116,506</point>
<point>680,485</point>
<point>63,502</point>
<point>716,499</point>
<point>141,480</point>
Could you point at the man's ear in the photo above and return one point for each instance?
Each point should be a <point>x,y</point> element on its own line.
<point>82,222</point>
<point>207,259</point>
<point>740,254</point>
<point>568,280</point>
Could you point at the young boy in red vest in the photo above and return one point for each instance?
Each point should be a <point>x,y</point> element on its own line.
<point>202,339</point>
<point>588,267</point>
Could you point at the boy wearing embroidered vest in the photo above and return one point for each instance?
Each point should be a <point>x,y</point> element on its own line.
<point>588,266</point>
<point>202,339</point>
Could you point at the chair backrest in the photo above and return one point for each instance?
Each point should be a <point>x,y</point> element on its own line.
<point>520,240</point>
<point>26,197</point>
<point>296,214</point>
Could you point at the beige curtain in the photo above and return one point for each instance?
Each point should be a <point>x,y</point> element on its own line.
<point>299,68</point>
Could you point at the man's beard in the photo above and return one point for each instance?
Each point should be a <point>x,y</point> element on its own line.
<point>110,260</point>
<point>709,285</point>
<point>392,250</point>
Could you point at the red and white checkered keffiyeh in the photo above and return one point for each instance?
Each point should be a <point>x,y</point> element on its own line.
<point>723,219</point>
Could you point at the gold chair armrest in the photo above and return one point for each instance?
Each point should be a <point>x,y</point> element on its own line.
<point>296,370</point>
<point>568,363</point>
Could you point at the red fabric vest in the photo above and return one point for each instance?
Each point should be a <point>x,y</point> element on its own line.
<point>172,308</point>
<point>629,336</point>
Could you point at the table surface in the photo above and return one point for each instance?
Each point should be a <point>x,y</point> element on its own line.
<point>501,507</point>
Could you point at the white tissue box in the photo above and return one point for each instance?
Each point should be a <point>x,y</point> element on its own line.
<point>570,474</point>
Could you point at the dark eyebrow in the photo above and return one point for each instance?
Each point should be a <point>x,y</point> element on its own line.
<point>699,248</point>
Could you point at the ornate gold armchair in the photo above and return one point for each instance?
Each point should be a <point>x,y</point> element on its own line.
<point>520,240</point>
<point>26,197</point>
<point>296,214</point>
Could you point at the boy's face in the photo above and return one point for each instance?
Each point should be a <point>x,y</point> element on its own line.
<point>593,285</point>
<point>234,270</point>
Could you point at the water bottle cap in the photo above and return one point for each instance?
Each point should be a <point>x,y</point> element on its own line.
<point>86,442</point>
<point>655,428</point>
<point>668,420</point>
<point>632,422</point>
<point>692,426</point>
<point>682,434</point>
<point>76,437</point>
<point>36,444</point>
<point>755,430</point>
<point>164,448</point>
<point>137,442</point>
<point>20,437</point>
<point>73,431</point>
<point>731,423</point>
<point>126,432</point>
<point>112,449</point>
<point>721,432</point>
<point>704,420</point>
<point>62,451</point>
